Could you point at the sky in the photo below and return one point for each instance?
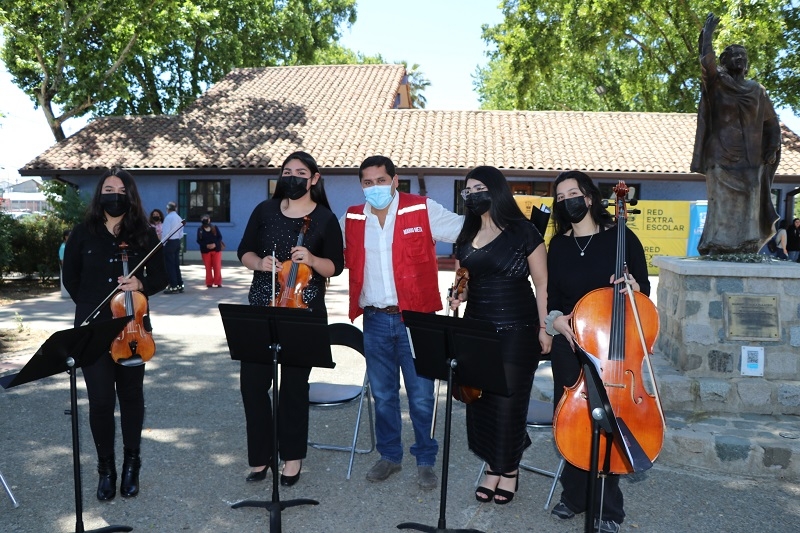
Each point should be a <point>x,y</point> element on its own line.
<point>442,36</point>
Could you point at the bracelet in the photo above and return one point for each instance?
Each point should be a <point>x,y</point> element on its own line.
<point>550,319</point>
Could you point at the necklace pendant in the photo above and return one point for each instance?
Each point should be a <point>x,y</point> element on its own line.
<point>581,254</point>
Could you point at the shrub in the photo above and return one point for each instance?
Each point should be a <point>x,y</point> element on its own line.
<point>35,242</point>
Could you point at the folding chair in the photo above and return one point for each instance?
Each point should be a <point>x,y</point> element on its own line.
<point>334,394</point>
<point>540,416</point>
<point>8,491</point>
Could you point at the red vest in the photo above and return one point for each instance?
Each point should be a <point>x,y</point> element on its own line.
<point>416,272</point>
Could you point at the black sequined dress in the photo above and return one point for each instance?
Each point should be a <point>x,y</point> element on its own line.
<point>499,291</point>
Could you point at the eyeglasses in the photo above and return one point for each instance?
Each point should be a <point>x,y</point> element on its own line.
<point>469,190</point>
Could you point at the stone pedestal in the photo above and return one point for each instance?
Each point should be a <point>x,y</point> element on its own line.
<point>702,334</point>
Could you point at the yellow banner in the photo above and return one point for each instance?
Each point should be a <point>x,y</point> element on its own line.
<point>662,225</point>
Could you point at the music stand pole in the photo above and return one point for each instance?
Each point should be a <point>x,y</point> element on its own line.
<point>435,341</point>
<point>293,336</point>
<point>274,506</point>
<point>69,350</point>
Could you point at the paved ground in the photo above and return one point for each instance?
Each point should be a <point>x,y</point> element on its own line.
<point>195,464</point>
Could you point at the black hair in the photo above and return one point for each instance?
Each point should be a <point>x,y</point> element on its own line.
<point>160,213</point>
<point>503,210</point>
<point>377,161</point>
<point>597,211</point>
<point>318,195</point>
<point>134,227</point>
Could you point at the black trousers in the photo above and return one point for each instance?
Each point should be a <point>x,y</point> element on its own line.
<point>574,481</point>
<point>105,382</point>
<point>256,380</point>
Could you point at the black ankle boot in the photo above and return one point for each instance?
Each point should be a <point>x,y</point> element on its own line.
<point>129,486</point>
<point>107,486</point>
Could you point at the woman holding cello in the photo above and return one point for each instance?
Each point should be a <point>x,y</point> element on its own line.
<point>115,225</point>
<point>503,252</point>
<point>295,239</point>
<point>581,258</point>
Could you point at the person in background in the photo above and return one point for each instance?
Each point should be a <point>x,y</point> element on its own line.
<point>92,270</point>
<point>582,257</point>
<point>793,240</point>
<point>209,237</point>
<point>61,248</point>
<point>157,221</point>
<point>274,226</point>
<point>781,240</point>
<point>172,248</point>
<point>503,252</point>
<point>391,254</point>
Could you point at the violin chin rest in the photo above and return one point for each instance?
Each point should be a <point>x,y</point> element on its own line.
<point>135,360</point>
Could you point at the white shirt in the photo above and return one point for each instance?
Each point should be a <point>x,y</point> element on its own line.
<point>172,221</point>
<point>379,289</point>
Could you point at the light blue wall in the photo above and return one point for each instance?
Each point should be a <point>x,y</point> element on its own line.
<point>247,191</point>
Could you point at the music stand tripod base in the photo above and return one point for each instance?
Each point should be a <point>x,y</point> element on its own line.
<point>66,351</point>
<point>443,346</point>
<point>276,335</point>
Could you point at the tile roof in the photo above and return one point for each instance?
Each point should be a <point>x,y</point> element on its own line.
<point>253,118</point>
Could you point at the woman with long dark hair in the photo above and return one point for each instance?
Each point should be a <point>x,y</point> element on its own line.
<point>274,226</point>
<point>503,252</point>
<point>581,258</point>
<point>92,270</point>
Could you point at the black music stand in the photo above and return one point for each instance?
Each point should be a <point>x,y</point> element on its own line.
<point>67,351</point>
<point>615,430</point>
<point>275,336</point>
<point>444,346</point>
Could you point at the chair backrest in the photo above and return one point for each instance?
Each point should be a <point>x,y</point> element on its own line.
<point>344,334</point>
<point>540,414</point>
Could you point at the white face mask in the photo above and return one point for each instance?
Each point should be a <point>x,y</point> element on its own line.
<point>378,196</point>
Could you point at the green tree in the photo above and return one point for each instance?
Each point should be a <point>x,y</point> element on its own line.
<point>630,56</point>
<point>417,83</point>
<point>152,56</point>
<point>65,202</point>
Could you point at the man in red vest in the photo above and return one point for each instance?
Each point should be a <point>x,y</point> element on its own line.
<point>390,251</point>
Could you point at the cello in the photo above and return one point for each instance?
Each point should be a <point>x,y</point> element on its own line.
<point>619,328</point>
<point>135,345</point>
<point>294,277</point>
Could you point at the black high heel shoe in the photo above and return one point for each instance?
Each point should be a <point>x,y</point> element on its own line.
<point>485,491</point>
<point>508,495</point>
<point>259,475</point>
<point>129,486</point>
<point>288,481</point>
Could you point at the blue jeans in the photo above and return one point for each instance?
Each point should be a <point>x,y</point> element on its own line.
<point>172,259</point>
<point>387,351</point>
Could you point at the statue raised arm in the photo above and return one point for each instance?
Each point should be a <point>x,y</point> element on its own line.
<point>737,147</point>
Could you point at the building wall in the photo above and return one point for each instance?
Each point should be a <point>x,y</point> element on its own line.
<point>247,191</point>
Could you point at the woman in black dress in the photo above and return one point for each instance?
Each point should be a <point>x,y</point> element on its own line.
<point>503,251</point>
<point>92,270</point>
<point>275,225</point>
<point>582,257</point>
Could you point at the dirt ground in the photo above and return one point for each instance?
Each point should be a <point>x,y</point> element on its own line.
<point>22,338</point>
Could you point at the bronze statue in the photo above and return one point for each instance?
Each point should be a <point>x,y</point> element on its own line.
<point>737,147</point>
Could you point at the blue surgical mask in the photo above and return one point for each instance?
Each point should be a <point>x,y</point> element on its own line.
<point>378,196</point>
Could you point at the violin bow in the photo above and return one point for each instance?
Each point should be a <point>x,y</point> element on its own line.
<point>96,311</point>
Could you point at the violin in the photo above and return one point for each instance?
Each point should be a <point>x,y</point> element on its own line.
<point>620,329</point>
<point>134,346</point>
<point>294,277</point>
<point>462,393</point>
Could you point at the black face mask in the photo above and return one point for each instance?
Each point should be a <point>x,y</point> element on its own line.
<point>115,204</point>
<point>206,223</point>
<point>478,202</point>
<point>295,187</point>
<point>573,208</point>
<point>156,219</point>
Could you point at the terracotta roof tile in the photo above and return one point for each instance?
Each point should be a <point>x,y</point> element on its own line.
<point>253,118</point>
